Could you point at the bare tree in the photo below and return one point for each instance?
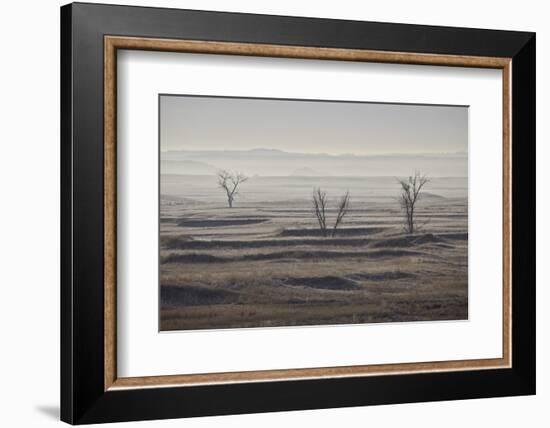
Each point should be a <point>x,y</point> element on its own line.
<point>343,208</point>
<point>410,194</point>
<point>320,207</point>
<point>230,181</point>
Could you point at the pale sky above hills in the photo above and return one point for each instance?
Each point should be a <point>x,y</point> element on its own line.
<point>214,123</point>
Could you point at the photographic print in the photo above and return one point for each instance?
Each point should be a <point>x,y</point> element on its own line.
<point>290,212</point>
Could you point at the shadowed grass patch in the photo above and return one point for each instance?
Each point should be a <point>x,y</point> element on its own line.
<point>381,276</point>
<point>185,243</point>
<point>299,255</point>
<point>188,295</point>
<point>408,241</point>
<point>350,231</point>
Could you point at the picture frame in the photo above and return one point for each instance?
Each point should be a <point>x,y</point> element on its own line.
<point>91,390</point>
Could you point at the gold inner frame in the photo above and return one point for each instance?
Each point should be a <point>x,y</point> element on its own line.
<point>113,43</point>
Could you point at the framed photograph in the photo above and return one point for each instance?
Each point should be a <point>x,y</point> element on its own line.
<point>266,213</point>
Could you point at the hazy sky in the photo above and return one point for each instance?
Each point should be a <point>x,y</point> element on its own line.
<point>214,123</point>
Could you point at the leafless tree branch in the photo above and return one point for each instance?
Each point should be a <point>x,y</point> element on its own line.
<point>411,188</point>
<point>343,208</point>
<point>319,209</point>
<point>230,181</point>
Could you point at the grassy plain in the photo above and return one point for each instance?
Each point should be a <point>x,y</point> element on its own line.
<point>264,262</point>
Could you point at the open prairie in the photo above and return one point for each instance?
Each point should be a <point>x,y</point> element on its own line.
<point>265,263</point>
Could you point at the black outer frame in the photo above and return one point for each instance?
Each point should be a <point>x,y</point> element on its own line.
<point>83,399</point>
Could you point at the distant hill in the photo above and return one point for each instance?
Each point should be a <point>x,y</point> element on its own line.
<point>186,167</point>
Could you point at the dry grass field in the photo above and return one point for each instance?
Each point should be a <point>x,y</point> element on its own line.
<point>264,262</point>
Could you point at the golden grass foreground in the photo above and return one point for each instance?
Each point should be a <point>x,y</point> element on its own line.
<point>113,43</point>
